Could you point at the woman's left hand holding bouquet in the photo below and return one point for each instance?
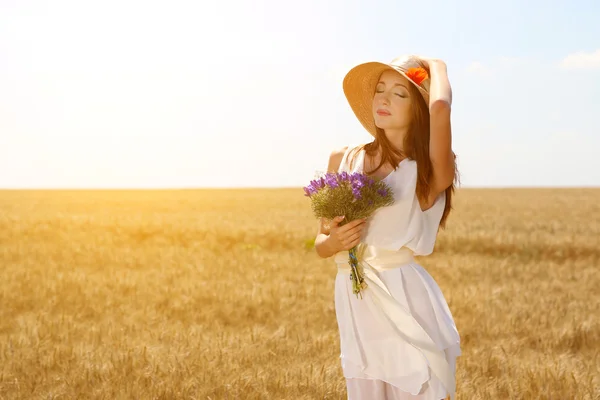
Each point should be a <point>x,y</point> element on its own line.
<point>335,238</point>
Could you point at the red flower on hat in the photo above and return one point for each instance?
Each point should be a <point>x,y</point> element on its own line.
<point>417,75</point>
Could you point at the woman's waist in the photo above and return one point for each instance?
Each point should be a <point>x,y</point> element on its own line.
<point>378,257</point>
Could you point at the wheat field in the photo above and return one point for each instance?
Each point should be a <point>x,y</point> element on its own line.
<point>218,294</point>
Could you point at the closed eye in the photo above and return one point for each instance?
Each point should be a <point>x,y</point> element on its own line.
<point>397,94</point>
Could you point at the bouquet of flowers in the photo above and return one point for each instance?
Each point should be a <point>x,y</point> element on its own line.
<point>353,195</point>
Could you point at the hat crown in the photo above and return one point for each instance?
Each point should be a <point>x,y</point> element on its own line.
<point>413,69</point>
<point>405,62</point>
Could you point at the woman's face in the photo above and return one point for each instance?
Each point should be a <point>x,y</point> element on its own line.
<point>391,102</point>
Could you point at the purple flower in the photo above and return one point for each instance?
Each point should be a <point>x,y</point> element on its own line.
<point>383,192</point>
<point>365,180</point>
<point>357,184</point>
<point>356,193</point>
<point>355,175</point>
<point>331,181</point>
<point>344,176</point>
<point>317,183</point>
<point>310,190</point>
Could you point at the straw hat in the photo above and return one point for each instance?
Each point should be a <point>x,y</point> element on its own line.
<point>360,83</point>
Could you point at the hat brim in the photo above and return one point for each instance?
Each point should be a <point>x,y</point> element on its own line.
<point>359,88</point>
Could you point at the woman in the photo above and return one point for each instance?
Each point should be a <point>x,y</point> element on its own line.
<point>399,341</point>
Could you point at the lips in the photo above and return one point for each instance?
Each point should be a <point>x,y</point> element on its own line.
<point>383,112</point>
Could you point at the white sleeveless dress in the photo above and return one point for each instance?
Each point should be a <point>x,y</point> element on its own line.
<point>399,341</point>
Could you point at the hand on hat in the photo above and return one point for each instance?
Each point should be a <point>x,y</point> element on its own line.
<point>428,61</point>
<point>440,86</point>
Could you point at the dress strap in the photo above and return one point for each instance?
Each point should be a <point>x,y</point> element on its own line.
<point>344,164</point>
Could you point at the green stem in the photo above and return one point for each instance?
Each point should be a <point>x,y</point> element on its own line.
<point>357,278</point>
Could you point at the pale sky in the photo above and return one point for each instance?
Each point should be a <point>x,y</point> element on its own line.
<point>192,94</point>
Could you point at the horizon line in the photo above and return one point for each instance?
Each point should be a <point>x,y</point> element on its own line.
<point>165,188</point>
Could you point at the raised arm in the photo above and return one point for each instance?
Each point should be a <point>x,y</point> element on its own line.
<point>440,140</point>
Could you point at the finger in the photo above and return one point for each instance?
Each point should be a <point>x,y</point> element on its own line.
<point>346,239</point>
<point>351,225</point>
<point>353,237</point>
<point>357,235</point>
<point>355,243</point>
<point>357,228</point>
<point>335,221</point>
<point>359,221</point>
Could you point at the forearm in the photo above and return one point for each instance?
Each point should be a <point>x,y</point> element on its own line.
<point>323,246</point>
<point>440,92</point>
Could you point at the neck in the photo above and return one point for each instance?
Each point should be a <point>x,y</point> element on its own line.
<point>396,137</point>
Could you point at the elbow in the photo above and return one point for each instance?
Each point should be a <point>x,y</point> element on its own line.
<point>320,252</point>
<point>440,107</point>
<point>321,247</point>
<point>321,255</point>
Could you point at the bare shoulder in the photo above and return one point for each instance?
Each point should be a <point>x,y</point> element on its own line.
<point>335,159</point>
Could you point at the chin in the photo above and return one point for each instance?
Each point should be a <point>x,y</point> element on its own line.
<point>385,124</point>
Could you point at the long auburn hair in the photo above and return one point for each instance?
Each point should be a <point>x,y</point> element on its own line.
<point>416,147</point>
